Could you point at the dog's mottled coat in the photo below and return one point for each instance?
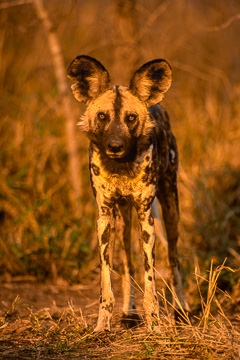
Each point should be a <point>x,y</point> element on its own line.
<point>133,159</point>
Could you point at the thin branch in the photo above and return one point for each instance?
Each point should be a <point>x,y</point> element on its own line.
<point>206,76</point>
<point>152,18</point>
<point>8,4</point>
<point>190,69</point>
<point>224,25</point>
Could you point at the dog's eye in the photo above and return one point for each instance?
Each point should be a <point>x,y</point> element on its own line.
<point>101,116</point>
<point>132,117</point>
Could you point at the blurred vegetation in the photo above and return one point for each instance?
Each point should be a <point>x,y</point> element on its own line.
<point>40,234</point>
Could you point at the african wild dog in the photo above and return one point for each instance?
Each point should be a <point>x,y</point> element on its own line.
<point>133,158</point>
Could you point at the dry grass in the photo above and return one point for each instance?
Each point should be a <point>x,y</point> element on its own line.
<point>203,105</point>
<point>54,333</point>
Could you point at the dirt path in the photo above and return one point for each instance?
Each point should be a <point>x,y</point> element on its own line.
<point>30,312</point>
<point>46,321</point>
<point>39,321</point>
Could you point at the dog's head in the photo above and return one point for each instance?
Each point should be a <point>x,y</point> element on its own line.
<point>116,117</point>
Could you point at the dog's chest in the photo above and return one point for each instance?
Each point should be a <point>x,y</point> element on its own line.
<point>139,184</point>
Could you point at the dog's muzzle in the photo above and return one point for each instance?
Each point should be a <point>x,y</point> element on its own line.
<point>115,148</point>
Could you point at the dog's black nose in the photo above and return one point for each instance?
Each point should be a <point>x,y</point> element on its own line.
<point>115,146</point>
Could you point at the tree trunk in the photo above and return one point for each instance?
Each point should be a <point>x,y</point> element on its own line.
<point>126,42</point>
<point>59,69</point>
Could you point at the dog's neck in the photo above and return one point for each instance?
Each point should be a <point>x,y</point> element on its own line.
<point>116,184</point>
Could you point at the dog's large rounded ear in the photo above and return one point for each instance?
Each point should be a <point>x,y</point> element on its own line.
<point>89,76</point>
<point>151,81</point>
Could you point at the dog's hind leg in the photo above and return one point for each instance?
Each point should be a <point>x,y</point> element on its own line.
<point>130,317</point>
<point>168,197</point>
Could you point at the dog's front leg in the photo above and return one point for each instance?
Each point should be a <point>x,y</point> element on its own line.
<point>150,301</point>
<point>105,228</point>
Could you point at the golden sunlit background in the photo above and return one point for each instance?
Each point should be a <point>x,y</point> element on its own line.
<point>49,266</point>
<point>47,209</point>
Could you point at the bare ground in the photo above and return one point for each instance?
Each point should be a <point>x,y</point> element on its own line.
<point>55,321</point>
